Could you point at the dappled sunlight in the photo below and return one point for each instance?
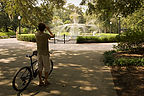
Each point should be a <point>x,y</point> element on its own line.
<point>5,82</point>
<point>79,73</point>
<point>8,60</point>
<point>117,88</point>
<point>11,60</point>
<point>105,69</point>
<point>4,51</point>
<point>56,92</point>
<point>88,88</point>
<point>82,71</point>
<point>109,79</point>
<point>83,82</point>
<point>128,80</point>
<point>66,65</point>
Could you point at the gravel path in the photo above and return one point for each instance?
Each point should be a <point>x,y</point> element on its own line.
<point>78,69</point>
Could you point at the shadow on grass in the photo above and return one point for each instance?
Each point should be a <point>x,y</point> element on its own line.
<point>129,81</point>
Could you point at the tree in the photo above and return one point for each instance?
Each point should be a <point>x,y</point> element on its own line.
<point>115,7</point>
<point>69,9</point>
<point>4,18</point>
<point>135,20</point>
<point>107,10</point>
<point>32,11</point>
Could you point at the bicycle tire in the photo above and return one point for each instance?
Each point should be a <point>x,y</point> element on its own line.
<point>25,74</point>
<point>51,66</point>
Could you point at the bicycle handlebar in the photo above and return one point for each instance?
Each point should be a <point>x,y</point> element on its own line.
<point>35,54</point>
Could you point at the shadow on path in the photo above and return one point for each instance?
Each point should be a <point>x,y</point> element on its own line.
<point>76,73</point>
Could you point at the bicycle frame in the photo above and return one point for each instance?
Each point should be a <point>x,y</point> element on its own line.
<point>25,78</point>
<point>34,72</point>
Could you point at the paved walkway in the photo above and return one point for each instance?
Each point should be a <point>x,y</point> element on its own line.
<point>78,69</point>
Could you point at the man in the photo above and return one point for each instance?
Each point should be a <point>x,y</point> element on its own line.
<point>43,52</point>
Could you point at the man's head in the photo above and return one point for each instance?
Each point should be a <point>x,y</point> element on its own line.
<point>41,26</point>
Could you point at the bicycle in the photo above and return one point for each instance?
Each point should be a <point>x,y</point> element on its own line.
<point>24,75</point>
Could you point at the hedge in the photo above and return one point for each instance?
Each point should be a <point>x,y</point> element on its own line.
<point>11,33</point>
<point>7,34</point>
<point>110,60</point>
<point>3,35</point>
<point>103,38</point>
<point>26,37</point>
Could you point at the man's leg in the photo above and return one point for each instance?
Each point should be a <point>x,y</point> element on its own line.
<point>46,78</point>
<point>47,68</point>
<point>40,66</point>
<point>40,78</point>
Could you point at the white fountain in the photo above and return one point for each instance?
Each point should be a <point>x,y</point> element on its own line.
<point>75,29</point>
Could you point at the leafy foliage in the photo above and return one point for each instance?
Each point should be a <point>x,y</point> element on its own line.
<point>133,38</point>
<point>109,57</point>
<point>3,35</point>
<point>26,37</point>
<point>110,60</point>
<point>32,11</point>
<point>11,33</point>
<point>108,10</point>
<point>7,34</point>
<point>113,7</point>
<point>96,39</point>
<point>135,20</point>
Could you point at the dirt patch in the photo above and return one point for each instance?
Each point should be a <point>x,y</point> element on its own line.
<point>129,81</point>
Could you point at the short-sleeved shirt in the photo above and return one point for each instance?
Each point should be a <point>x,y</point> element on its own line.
<point>42,43</point>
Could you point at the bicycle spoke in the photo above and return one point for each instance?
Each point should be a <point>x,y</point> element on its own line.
<point>22,79</point>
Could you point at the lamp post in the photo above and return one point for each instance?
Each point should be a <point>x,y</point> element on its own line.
<point>19,18</point>
<point>110,27</point>
<point>119,28</point>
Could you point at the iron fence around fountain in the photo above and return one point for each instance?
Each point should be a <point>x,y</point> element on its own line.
<point>63,39</point>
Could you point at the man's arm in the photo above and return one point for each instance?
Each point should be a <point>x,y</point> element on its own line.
<point>51,34</point>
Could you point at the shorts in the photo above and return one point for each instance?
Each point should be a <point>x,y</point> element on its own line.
<point>44,62</point>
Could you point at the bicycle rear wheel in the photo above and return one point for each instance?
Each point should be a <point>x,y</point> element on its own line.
<point>22,79</point>
<point>51,66</point>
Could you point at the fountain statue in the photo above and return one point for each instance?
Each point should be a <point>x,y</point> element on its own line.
<point>75,29</point>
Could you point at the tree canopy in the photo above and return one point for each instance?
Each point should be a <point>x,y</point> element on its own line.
<point>115,7</point>
<point>32,11</point>
<point>108,10</point>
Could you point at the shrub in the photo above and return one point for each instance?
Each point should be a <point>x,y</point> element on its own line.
<point>96,39</point>
<point>130,40</point>
<point>11,33</point>
<point>129,62</point>
<point>110,60</point>
<point>25,31</point>
<point>133,38</point>
<point>109,57</point>
<point>26,37</point>
<point>3,35</point>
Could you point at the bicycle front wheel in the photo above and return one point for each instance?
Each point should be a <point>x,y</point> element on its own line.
<point>22,79</point>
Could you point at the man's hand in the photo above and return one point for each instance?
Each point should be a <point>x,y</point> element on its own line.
<point>51,34</point>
